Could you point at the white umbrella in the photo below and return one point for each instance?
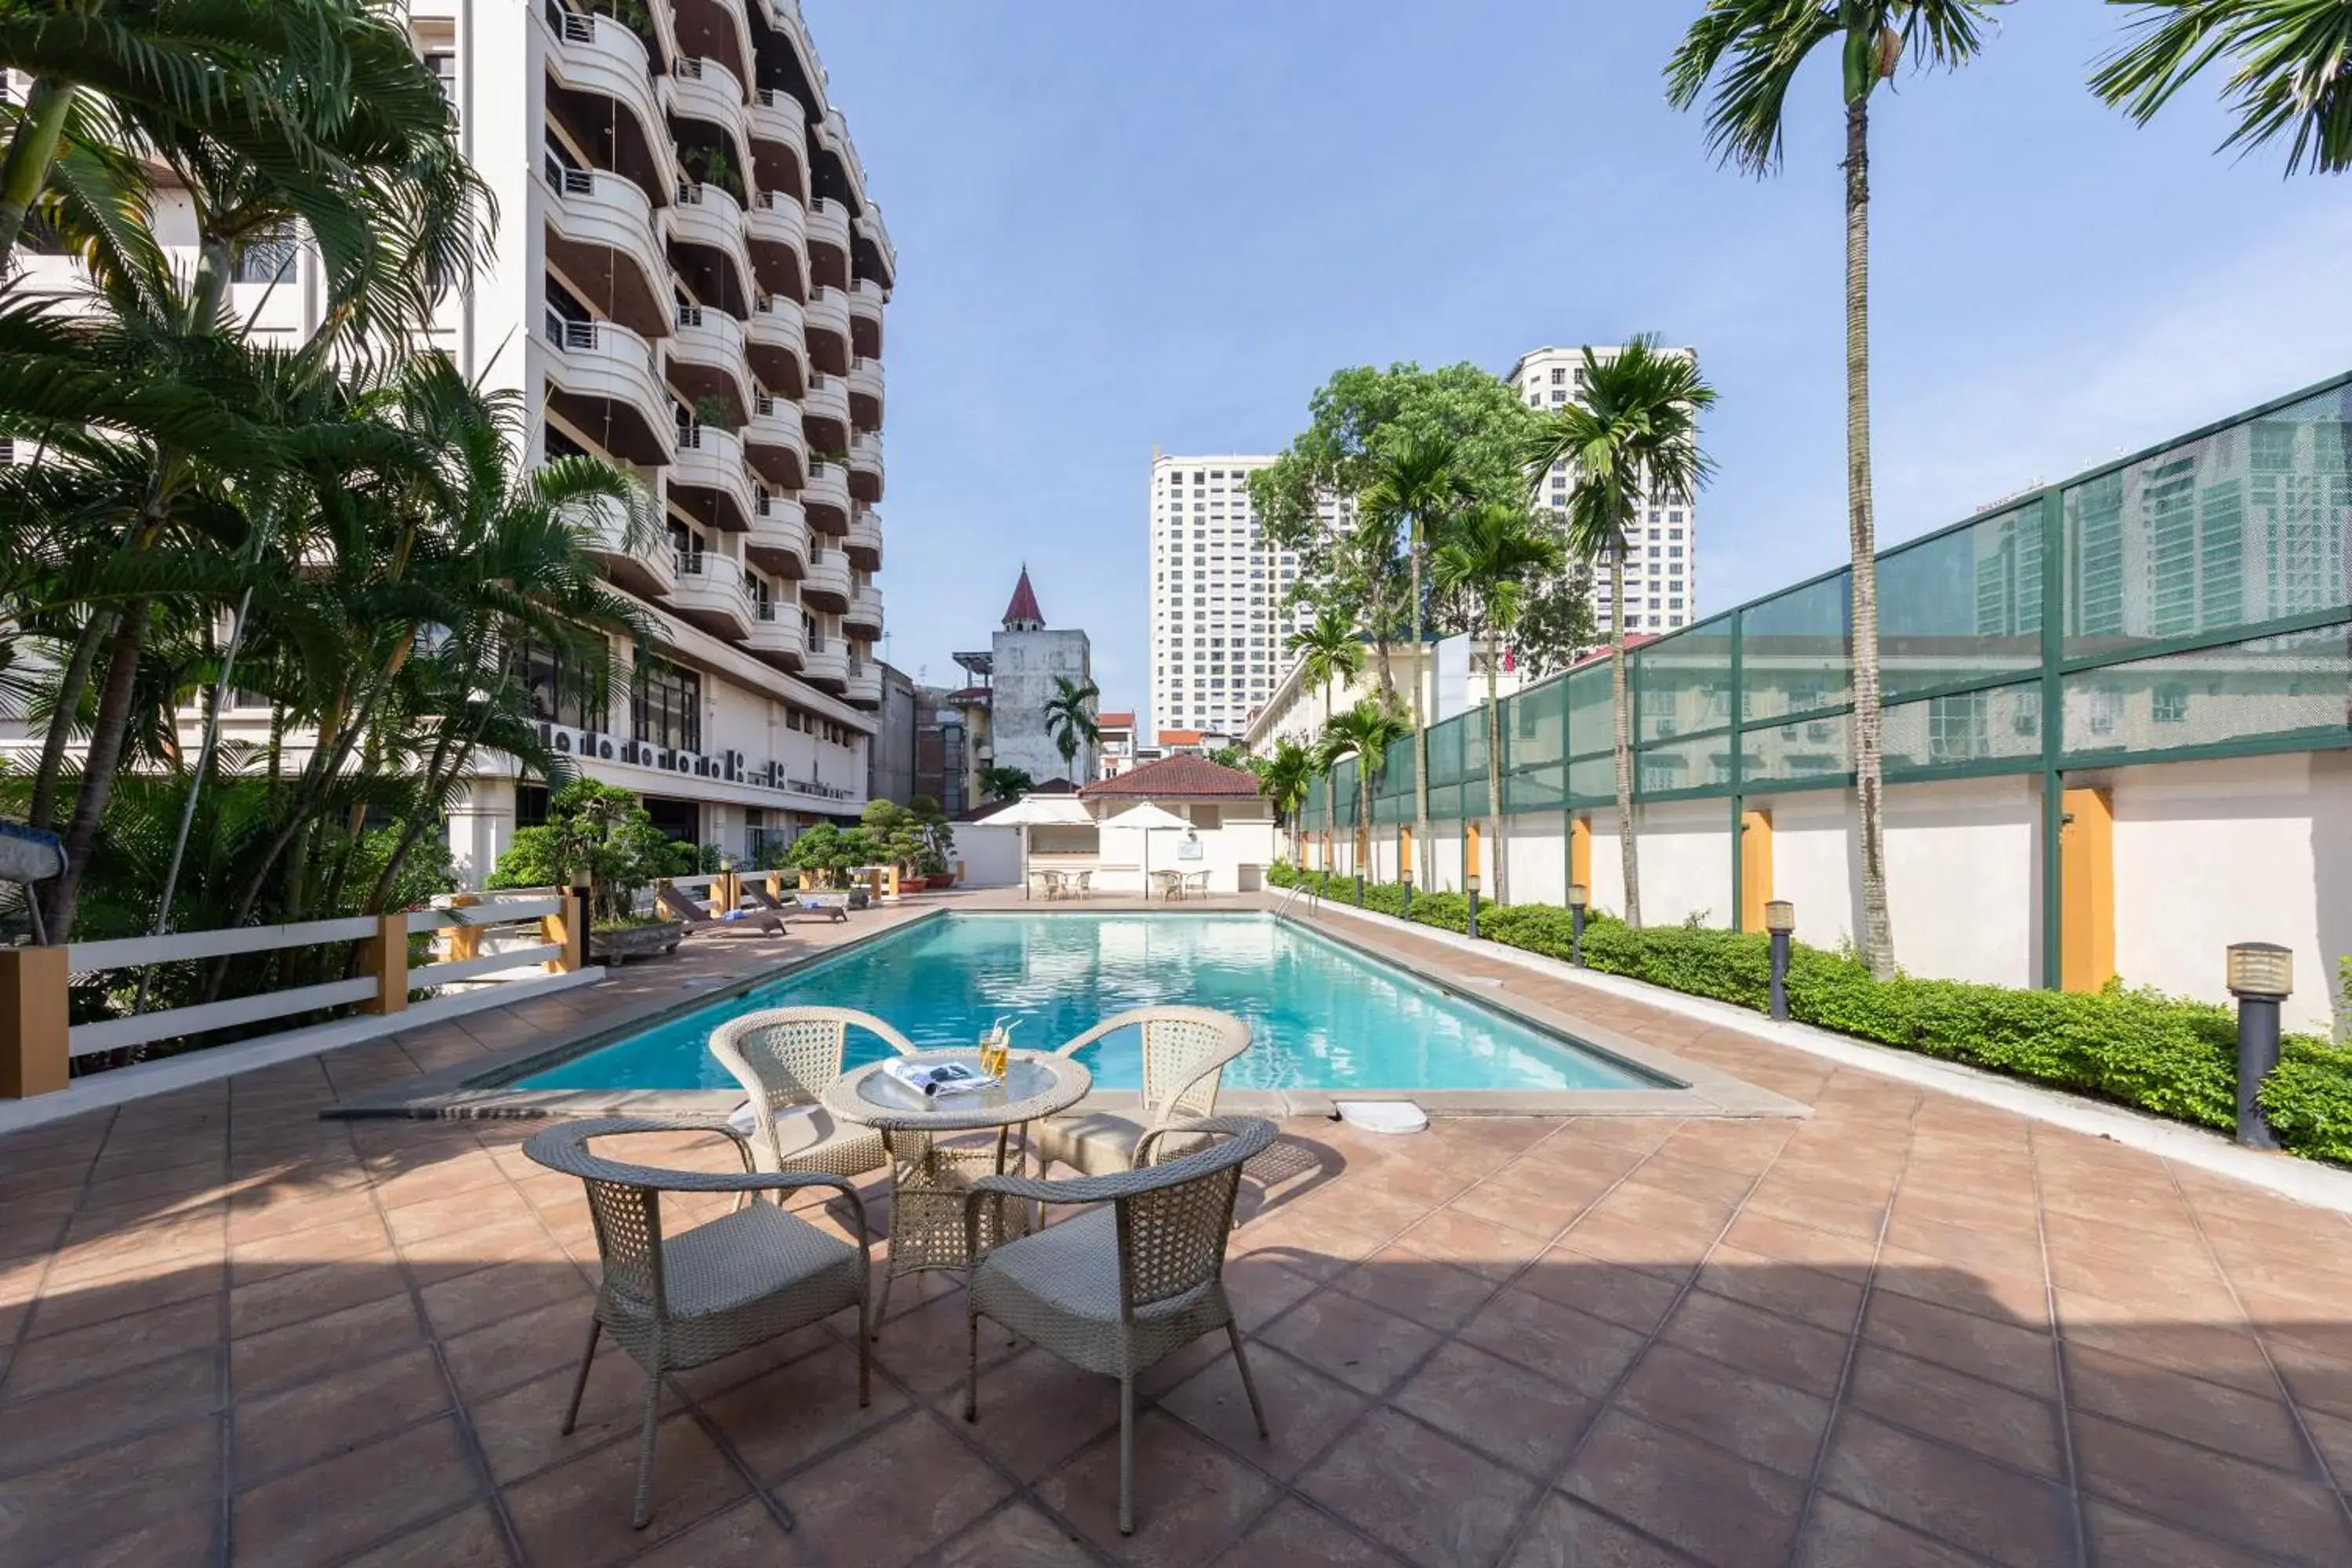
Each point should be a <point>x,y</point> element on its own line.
<point>1148,817</point>
<point>1038,811</point>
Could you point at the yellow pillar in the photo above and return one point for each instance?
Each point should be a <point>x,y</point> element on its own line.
<point>775,885</point>
<point>1580,851</point>
<point>887,879</point>
<point>1755,867</point>
<point>384,955</point>
<point>2086,869</point>
<point>1404,849</point>
<point>567,928</point>
<point>1469,850</point>
<point>35,1056</point>
<point>465,942</point>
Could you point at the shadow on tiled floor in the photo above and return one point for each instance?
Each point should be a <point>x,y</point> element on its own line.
<point>1908,1329</point>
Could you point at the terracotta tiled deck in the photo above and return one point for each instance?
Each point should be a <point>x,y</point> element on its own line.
<point>1908,1329</point>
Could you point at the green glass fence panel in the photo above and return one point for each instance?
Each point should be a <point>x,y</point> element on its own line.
<point>1445,743</point>
<point>1964,728</point>
<point>1532,721</point>
<point>1535,789</point>
<point>1589,709</point>
<point>1474,744</point>
<point>1821,747</point>
<point>1343,786</point>
<point>1592,779</point>
<point>1394,781</point>
<point>1444,805</point>
<point>2297,685</point>
<point>1670,765</point>
<point>2240,527</point>
<point>1390,804</point>
<point>1682,683</point>
<point>1793,651</point>
<point>1964,607</point>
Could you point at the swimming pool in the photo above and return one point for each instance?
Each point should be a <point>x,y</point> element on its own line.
<point>1322,1015</point>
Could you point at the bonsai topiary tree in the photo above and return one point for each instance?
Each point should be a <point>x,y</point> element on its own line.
<point>829,851</point>
<point>594,833</point>
<point>916,836</point>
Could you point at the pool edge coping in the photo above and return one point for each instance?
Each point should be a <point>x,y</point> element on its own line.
<point>484,1089</point>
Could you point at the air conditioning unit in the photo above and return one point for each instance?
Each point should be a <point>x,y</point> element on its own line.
<point>735,767</point>
<point>563,740</point>
<point>604,749</point>
<point>666,760</point>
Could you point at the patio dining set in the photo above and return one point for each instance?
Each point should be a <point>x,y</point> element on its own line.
<point>1111,1271</point>
<point>1080,884</point>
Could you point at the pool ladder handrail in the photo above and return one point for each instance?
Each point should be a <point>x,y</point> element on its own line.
<point>1314,897</point>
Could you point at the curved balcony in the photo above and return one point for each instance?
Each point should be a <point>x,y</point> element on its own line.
<point>863,688</point>
<point>708,478</point>
<point>864,540</point>
<point>863,617</point>
<point>828,227</point>
<point>636,557</point>
<point>827,586</point>
<point>599,57</point>
<point>824,664</point>
<point>707,91</point>
<point>779,141</point>
<point>710,593</point>
<point>825,407</point>
<point>778,232</point>
<point>778,540</point>
<point>773,442</point>
<point>779,345</point>
<point>870,225</point>
<point>603,378</point>
<point>709,217</point>
<point>601,234</point>
<point>867,299</point>
<point>707,360</point>
<point>826,498</point>
<point>717,30</point>
<point>776,633</point>
<point>828,329</point>
<point>865,467</point>
<point>865,393</point>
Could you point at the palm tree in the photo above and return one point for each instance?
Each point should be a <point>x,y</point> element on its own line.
<point>1330,651</point>
<point>1005,783</point>
<point>1415,489</point>
<point>1495,553</point>
<point>1070,720</point>
<point>1365,732</point>
<point>2293,60</point>
<point>1633,443</point>
<point>1752,48</point>
<point>1283,777</point>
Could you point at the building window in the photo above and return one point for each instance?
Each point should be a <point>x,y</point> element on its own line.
<point>268,258</point>
<point>559,690</point>
<point>665,707</point>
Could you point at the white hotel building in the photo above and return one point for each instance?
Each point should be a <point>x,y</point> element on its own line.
<point>1218,586</point>
<point>689,279</point>
<point>1662,573</point>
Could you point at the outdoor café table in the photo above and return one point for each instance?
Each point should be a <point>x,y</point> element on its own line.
<point>1172,883</point>
<point>929,1180</point>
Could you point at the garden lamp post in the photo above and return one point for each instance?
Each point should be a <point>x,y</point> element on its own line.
<point>1780,921</point>
<point>2261,976</point>
<point>1408,892</point>
<point>1578,896</point>
<point>1471,883</point>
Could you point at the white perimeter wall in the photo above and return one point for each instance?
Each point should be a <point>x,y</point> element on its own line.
<point>991,855</point>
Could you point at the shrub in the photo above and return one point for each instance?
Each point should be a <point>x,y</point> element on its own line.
<point>2166,1054</point>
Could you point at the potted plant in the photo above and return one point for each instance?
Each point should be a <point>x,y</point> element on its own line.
<point>828,852</point>
<point>598,834</point>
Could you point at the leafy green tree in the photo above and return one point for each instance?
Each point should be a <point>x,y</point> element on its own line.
<point>1631,442</point>
<point>1416,489</point>
<point>1283,777</point>
<point>596,835</point>
<point>1331,650</point>
<point>1005,783</point>
<point>917,842</point>
<point>1752,50</point>
<point>1558,625</point>
<point>830,851</point>
<point>1070,720</point>
<point>1365,732</point>
<point>1491,560</point>
<point>2292,71</point>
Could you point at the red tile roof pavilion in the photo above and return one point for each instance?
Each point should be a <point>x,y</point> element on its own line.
<point>1181,777</point>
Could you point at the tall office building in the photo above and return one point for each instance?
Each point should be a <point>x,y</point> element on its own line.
<point>1218,586</point>
<point>1661,574</point>
<point>689,279</point>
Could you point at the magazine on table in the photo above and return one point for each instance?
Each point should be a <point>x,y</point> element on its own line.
<point>941,1077</point>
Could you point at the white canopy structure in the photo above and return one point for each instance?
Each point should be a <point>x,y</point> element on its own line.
<point>1149,819</point>
<point>1039,811</point>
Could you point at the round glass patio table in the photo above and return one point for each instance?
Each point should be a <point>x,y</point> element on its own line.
<point>929,1181</point>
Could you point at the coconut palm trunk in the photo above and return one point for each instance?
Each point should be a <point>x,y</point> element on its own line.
<point>1419,726</point>
<point>1622,724</point>
<point>1869,773</point>
<point>31,150</point>
<point>1495,776</point>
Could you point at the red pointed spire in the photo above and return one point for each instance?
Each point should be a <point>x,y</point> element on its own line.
<point>1023,613</point>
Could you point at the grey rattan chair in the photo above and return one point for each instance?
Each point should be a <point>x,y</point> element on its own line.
<point>679,1301</point>
<point>784,1058</point>
<point>1136,1278</point>
<point>1185,1050</point>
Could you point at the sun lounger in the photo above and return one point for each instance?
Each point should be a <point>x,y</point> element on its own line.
<point>698,919</point>
<point>834,907</point>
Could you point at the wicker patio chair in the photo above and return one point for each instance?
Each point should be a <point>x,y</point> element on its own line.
<point>1185,1050</point>
<point>1136,1278</point>
<point>680,1301</point>
<point>783,1057</point>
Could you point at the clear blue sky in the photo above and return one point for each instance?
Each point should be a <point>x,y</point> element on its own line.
<point>1120,224</point>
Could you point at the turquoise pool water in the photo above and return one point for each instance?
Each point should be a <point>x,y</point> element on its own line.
<point>1322,1016</point>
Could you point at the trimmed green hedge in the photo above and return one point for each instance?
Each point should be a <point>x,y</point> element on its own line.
<point>2166,1054</point>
